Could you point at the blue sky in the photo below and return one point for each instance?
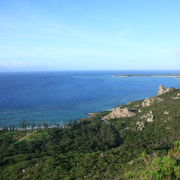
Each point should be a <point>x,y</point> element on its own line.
<point>89,35</point>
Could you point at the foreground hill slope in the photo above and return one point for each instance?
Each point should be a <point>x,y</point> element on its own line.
<point>139,140</point>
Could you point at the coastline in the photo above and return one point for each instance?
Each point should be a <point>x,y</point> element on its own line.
<point>147,127</point>
<point>54,107</point>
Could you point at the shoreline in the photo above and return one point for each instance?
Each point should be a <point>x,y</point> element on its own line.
<point>45,125</point>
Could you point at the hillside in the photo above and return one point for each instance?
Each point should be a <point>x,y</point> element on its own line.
<point>139,140</point>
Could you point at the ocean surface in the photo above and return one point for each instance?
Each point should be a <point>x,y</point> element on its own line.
<point>60,97</point>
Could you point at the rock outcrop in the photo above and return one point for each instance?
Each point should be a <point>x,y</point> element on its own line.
<point>163,89</point>
<point>141,125</point>
<point>147,102</point>
<point>177,96</point>
<point>91,114</point>
<point>150,101</point>
<point>149,117</point>
<point>119,112</point>
<point>166,112</point>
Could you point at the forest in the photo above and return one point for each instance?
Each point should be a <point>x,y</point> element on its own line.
<point>91,148</point>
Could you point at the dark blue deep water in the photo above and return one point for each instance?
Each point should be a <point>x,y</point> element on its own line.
<point>57,97</point>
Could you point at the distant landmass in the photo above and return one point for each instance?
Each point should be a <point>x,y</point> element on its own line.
<point>148,75</point>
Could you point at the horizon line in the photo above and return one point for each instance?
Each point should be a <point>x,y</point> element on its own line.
<point>67,70</point>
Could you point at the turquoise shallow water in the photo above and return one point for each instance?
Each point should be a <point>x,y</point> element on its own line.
<point>58,97</point>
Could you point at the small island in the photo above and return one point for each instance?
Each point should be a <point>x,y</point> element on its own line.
<point>148,75</point>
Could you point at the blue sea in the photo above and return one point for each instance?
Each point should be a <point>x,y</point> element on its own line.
<point>60,97</point>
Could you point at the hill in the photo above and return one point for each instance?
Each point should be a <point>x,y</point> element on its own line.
<point>138,140</point>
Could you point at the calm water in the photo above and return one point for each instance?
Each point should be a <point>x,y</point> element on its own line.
<point>57,97</point>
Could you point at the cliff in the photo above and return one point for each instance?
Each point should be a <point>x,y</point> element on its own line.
<point>163,90</point>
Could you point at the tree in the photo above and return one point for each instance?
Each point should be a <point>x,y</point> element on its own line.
<point>45,125</point>
<point>24,124</point>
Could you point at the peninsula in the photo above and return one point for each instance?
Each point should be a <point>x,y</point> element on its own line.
<point>148,75</point>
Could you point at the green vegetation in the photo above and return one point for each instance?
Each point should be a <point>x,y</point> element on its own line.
<point>95,149</point>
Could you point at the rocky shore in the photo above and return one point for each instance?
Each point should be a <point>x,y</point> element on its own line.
<point>123,112</point>
<point>126,112</point>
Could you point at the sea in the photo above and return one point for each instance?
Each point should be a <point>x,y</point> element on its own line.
<point>60,97</point>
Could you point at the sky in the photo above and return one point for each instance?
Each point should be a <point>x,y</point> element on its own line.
<point>46,35</point>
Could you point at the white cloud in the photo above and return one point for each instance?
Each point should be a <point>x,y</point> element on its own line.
<point>11,64</point>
